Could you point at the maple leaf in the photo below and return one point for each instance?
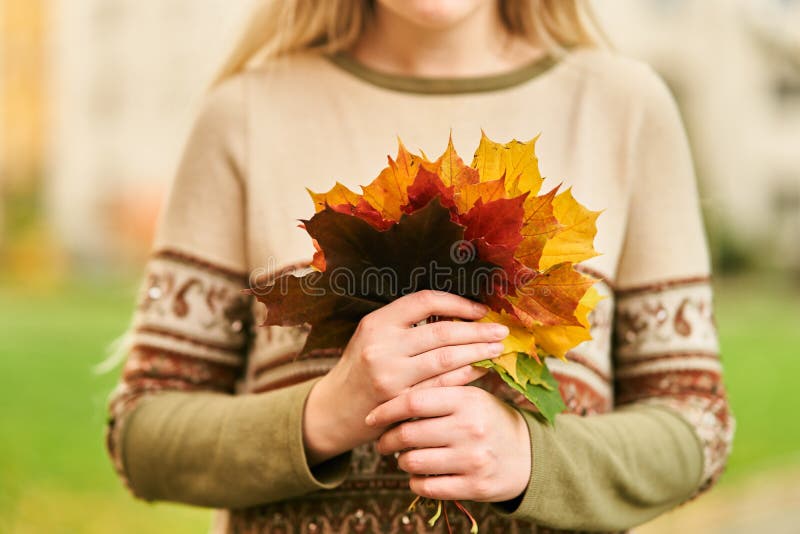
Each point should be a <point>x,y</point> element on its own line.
<point>495,227</point>
<point>519,340</point>
<point>543,393</point>
<point>427,186</point>
<point>388,193</point>
<point>572,242</point>
<point>540,388</point>
<point>343,200</point>
<point>339,195</point>
<point>539,225</point>
<point>318,262</point>
<point>520,367</point>
<point>469,194</point>
<point>558,340</point>
<point>519,358</point>
<point>333,316</point>
<point>451,168</point>
<point>366,268</point>
<point>516,161</point>
<point>551,298</point>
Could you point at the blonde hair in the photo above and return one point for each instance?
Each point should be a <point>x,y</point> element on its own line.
<point>279,27</point>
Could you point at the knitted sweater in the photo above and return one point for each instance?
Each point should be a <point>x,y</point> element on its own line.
<point>209,407</point>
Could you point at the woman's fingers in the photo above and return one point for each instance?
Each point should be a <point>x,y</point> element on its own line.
<point>443,333</point>
<point>447,488</point>
<point>427,402</point>
<point>438,461</point>
<point>459,377</point>
<point>450,366</point>
<point>413,308</point>
<point>416,434</point>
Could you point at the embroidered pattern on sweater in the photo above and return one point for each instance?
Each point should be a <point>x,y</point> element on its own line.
<point>189,332</point>
<point>377,513</point>
<point>667,354</point>
<point>185,304</point>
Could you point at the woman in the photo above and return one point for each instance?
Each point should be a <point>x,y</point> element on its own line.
<point>331,442</point>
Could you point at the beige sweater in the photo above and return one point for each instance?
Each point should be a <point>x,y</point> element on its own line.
<point>649,426</point>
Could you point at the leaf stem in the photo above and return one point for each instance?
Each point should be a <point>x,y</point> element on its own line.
<point>432,521</point>
<point>474,529</point>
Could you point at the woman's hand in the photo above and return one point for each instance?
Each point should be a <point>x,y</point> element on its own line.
<point>477,445</point>
<point>388,356</point>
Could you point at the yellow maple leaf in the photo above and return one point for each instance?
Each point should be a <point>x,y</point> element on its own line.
<point>338,195</point>
<point>509,363</point>
<point>573,241</point>
<point>468,195</point>
<point>519,339</point>
<point>389,191</point>
<point>451,168</point>
<point>516,161</point>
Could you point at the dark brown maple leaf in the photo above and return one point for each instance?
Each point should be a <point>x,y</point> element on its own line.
<point>366,268</point>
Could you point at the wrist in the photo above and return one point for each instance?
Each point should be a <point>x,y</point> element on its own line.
<point>518,473</point>
<point>525,459</point>
<point>318,438</point>
<point>328,425</point>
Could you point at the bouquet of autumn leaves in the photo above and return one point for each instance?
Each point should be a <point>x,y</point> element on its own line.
<point>482,231</point>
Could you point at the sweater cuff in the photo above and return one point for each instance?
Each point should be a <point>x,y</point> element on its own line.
<point>326,475</point>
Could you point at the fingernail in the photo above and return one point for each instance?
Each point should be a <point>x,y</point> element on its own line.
<point>370,419</point>
<point>500,331</point>
<point>496,348</point>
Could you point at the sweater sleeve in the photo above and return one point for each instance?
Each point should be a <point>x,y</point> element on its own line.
<point>670,434</point>
<point>175,430</point>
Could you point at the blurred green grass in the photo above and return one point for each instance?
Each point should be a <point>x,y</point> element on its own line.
<point>54,475</point>
<point>55,478</point>
<point>759,328</point>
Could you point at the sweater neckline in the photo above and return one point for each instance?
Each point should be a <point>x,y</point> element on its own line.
<point>441,86</point>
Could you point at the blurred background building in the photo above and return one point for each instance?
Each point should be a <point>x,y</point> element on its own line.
<point>734,67</point>
<point>126,75</point>
<point>97,97</point>
<point>23,106</point>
